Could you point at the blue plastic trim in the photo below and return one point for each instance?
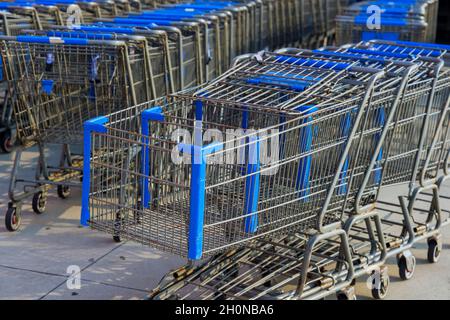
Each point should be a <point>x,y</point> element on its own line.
<point>152,114</point>
<point>313,63</point>
<point>380,53</point>
<point>104,29</point>
<point>252,182</point>
<point>372,35</point>
<point>295,85</point>
<point>305,144</point>
<point>198,106</point>
<point>80,35</point>
<point>407,50</point>
<point>47,86</point>
<point>399,21</point>
<point>356,57</point>
<point>93,125</point>
<point>424,45</point>
<point>51,40</point>
<point>197,195</point>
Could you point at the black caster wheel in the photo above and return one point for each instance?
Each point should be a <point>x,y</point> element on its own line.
<point>63,192</point>
<point>6,142</point>
<point>116,234</point>
<point>406,267</point>
<point>380,285</point>
<point>434,251</point>
<point>347,294</point>
<point>39,202</point>
<point>12,219</point>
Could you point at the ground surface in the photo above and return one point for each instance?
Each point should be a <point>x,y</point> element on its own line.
<point>34,261</point>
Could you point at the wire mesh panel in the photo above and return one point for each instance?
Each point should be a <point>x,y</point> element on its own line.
<point>272,197</point>
<point>59,83</point>
<point>280,268</point>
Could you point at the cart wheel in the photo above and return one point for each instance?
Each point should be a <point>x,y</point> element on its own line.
<point>406,272</point>
<point>344,296</point>
<point>116,231</point>
<point>380,289</point>
<point>63,192</point>
<point>6,142</point>
<point>434,251</point>
<point>39,202</point>
<point>12,219</point>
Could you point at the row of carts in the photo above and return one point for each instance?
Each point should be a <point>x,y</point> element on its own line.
<point>215,31</point>
<point>407,20</point>
<point>272,179</point>
<point>69,61</point>
<point>266,171</point>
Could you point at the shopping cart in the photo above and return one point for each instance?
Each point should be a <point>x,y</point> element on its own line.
<point>220,232</point>
<point>71,80</point>
<point>159,78</point>
<point>398,21</point>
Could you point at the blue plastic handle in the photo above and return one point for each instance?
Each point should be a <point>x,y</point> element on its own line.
<point>67,34</point>
<point>105,29</point>
<point>380,53</point>
<point>409,50</point>
<point>295,85</point>
<point>313,63</point>
<point>39,39</point>
<point>348,56</point>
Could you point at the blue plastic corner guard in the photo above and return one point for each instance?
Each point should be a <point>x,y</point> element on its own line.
<point>305,144</point>
<point>372,35</point>
<point>338,66</point>
<point>93,125</point>
<point>47,86</point>
<point>197,196</point>
<point>152,114</point>
<point>252,182</point>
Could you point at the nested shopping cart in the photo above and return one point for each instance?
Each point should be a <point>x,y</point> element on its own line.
<point>233,276</point>
<point>56,84</point>
<point>418,151</point>
<point>428,167</point>
<point>158,79</point>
